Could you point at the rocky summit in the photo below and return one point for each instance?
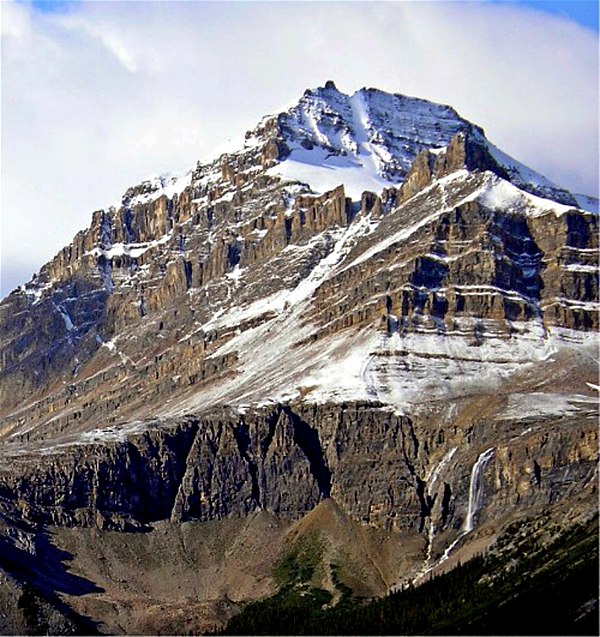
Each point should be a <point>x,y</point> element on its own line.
<point>346,356</point>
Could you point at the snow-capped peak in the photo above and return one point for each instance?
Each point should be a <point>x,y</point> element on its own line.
<point>369,139</point>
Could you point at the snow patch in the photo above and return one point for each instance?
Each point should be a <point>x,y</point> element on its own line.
<point>324,172</point>
<point>132,250</point>
<point>405,233</point>
<point>159,185</point>
<point>580,267</point>
<point>531,405</point>
<point>503,195</point>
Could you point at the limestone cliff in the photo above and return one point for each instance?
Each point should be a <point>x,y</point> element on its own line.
<point>249,340</point>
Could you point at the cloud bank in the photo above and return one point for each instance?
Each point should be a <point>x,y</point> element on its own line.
<point>96,98</point>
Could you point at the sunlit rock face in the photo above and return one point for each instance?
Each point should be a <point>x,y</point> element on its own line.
<point>367,302</point>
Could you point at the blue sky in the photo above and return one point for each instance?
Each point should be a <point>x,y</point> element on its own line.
<point>97,96</point>
<point>583,12</point>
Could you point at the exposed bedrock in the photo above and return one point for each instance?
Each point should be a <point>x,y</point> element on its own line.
<point>391,471</point>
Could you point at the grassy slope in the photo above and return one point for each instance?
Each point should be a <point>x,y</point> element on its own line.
<point>523,588</point>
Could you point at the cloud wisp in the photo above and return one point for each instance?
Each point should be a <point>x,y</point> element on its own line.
<point>96,98</point>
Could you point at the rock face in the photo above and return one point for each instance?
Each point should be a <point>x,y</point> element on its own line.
<point>256,337</point>
<point>287,458</point>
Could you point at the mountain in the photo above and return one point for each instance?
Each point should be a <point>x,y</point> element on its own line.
<point>366,322</point>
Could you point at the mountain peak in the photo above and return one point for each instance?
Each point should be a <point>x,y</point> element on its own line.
<point>231,347</point>
<point>368,140</point>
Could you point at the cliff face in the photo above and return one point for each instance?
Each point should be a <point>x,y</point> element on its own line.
<point>458,471</point>
<point>239,341</point>
<point>489,252</point>
<point>439,478</point>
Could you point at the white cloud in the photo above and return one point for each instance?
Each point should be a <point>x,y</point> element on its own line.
<point>95,99</point>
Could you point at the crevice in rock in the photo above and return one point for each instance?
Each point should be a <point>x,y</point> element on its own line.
<point>518,264</point>
<point>288,229</point>
<point>307,438</point>
<point>212,440</point>
<point>415,443</point>
<point>234,254</point>
<point>241,434</point>
<point>424,508</point>
<point>427,278</point>
<point>271,420</point>
<point>413,437</point>
<point>537,473</point>
<point>352,209</point>
<point>106,231</point>
<point>177,512</point>
<point>187,266</point>
<point>128,226</point>
<point>446,503</point>
<point>578,232</point>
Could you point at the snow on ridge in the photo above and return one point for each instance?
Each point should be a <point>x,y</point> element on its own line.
<point>504,195</point>
<point>406,232</point>
<point>580,267</point>
<point>517,169</point>
<point>380,134</point>
<point>593,306</point>
<point>35,290</point>
<point>66,317</point>
<point>159,185</point>
<point>367,140</point>
<point>496,193</point>
<point>399,371</point>
<point>367,364</point>
<point>269,304</point>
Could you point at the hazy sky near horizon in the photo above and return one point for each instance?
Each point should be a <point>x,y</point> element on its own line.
<point>96,96</point>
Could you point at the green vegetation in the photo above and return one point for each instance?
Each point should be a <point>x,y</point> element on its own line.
<point>297,603</point>
<point>346,591</point>
<point>522,588</point>
<point>301,564</point>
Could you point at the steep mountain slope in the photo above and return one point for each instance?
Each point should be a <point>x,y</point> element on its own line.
<point>367,302</point>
